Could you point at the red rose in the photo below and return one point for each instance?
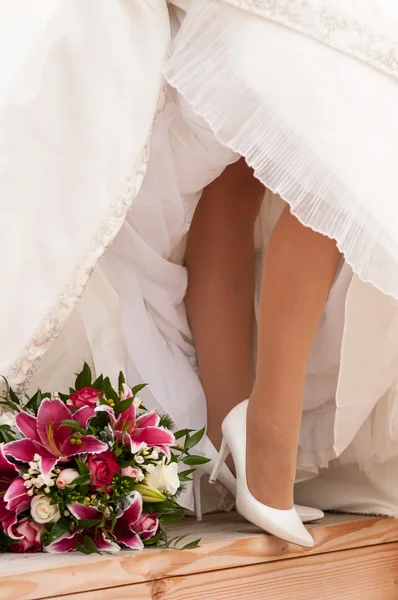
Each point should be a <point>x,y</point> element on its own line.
<point>87,396</point>
<point>102,469</point>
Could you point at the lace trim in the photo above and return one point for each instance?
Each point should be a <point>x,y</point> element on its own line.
<point>329,26</point>
<point>24,368</point>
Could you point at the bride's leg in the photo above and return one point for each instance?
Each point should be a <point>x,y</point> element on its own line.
<point>298,271</point>
<point>220,259</point>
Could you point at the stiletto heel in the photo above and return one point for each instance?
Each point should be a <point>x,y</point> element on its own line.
<point>224,475</point>
<point>285,524</point>
<point>219,463</point>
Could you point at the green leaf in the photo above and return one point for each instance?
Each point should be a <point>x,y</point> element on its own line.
<point>185,475</point>
<point>13,397</point>
<point>8,405</point>
<point>81,480</point>
<point>89,546</point>
<point>84,378</point>
<point>108,390</point>
<point>11,405</point>
<point>63,397</point>
<point>154,541</point>
<point>137,388</point>
<point>174,541</point>
<point>82,466</point>
<point>6,434</point>
<point>182,433</point>
<point>191,545</point>
<point>57,530</point>
<point>83,490</point>
<point>195,460</point>
<point>97,385</point>
<point>195,439</point>
<point>120,382</point>
<point>123,405</point>
<point>74,424</point>
<point>113,521</point>
<point>88,523</point>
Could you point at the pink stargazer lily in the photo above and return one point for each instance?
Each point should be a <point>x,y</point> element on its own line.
<point>68,541</point>
<point>83,415</point>
<point>140,431</point>
<point>123,533</point>
<point>13,494</point>
<point>46,436</point>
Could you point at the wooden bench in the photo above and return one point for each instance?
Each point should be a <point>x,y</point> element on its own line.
<point>355,558</point>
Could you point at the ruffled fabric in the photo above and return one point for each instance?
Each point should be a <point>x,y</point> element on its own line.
<point>310,120</point>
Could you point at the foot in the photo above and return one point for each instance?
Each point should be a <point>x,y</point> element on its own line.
<point>271,461</point>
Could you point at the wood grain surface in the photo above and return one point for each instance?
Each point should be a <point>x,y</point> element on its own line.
<point>362,574</point>
<point>228,544</point>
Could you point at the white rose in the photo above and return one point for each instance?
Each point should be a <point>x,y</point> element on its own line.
<point>42,511</point>
<point>66,477</point>
<point>165,478</point>
<point>7,418</point>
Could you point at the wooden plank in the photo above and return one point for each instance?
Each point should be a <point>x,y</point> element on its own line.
<point>361,574</point>
<point>227,542</point>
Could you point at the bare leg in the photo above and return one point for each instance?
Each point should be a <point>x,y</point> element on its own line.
<point>298,271</point>
<point>220,259</point>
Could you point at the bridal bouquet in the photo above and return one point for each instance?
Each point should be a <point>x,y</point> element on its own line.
<point>91,470</point>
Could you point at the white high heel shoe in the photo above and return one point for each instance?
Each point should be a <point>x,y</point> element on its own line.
<point>228,480</point>
<point>224,476</point>
<point>285,524</point>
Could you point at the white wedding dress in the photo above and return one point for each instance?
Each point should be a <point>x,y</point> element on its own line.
<point>102,165</point>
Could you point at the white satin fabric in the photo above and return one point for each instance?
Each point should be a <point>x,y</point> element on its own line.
<point>75,117</point>
<point>73,128</point>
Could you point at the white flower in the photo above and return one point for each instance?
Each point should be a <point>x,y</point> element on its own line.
<point>7,418</point>
<point>139,460</point>
<point>137,402</point>
<point>39,481</point>
<point>42,511</point>
<point>154,455</point>
<point>126,392</point>
<point>149,468</point>
<point>66,477</point>
<point>165,478</point>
